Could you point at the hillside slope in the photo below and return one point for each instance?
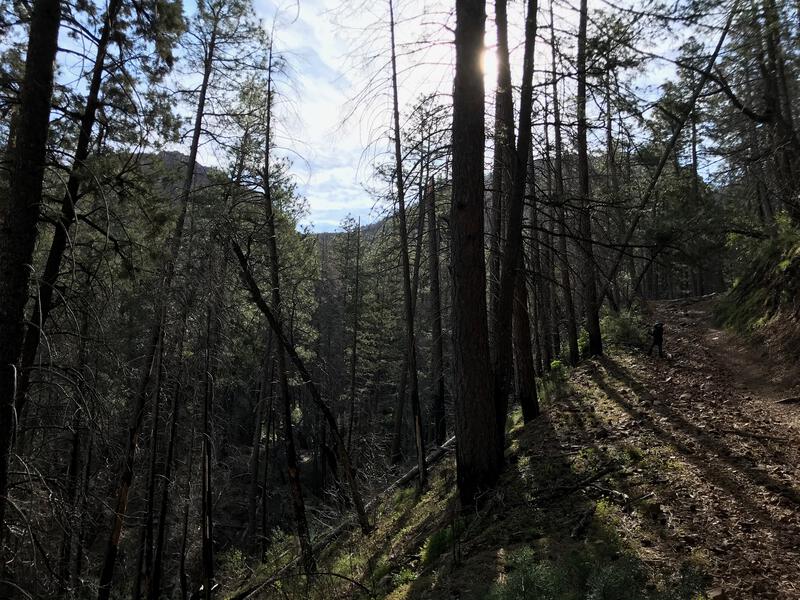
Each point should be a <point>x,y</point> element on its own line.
<point>644,478</point>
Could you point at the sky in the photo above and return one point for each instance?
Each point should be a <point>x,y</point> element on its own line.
<point>335,110</point>
<point>327,151</point>
<point>326,42</point>
<point>340,110</point>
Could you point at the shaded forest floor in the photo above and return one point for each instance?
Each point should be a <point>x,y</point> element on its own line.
<point>644,478</point>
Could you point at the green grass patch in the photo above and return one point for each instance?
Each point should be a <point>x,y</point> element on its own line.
<point>581,574</point>
<point>440,542</point>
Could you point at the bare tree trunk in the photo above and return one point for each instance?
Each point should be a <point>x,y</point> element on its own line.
<point>590,298</point>
<point>408,299</point>
<point>437,349</point>
<point>265,537</point>
<point>512,248</point>
<point>293,471</point>
<point>75,471</point>
<point>44,299</point>
<point>18,224</point>
<point>206,497</point>
<point>183,576</point>
<point>541,308</point>
<point>255,458</point>
<point>304,373</point>
<point>501,162</point>
<point>560,197</point>
<point>525,384</point>
<point>399,413</point>
<point>477,450</point>
<point>549,268</point>
<point>145,561</point>
<point>354,349</point>
<point>154,590</point>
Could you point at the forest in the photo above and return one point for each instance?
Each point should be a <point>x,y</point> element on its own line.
<point>556,359</point>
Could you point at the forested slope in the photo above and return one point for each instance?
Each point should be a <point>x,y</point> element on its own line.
<point>643,478</point>
<point>198,389</point>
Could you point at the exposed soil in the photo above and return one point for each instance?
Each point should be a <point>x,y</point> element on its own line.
<point>722,456</point>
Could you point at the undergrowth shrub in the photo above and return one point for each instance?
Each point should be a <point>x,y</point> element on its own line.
<point>553,384</point>
<point>439,543</point>
<point>577,575</point>
<point>626,328</point>
<point>770,281</point>
<point>231,565</point>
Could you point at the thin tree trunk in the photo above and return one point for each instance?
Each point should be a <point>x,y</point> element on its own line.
<point>206,497</point>
<point>560,197</point>
<point>75,470</point>
<point>399,412</point>
<point>408,300</point>
<point>154,590</point>
<point>293,470</point>
<point>18,224</point>
<point>525,384</point>
<point>145,562</point>
<point>590,299</point>
<point>501,162</point>
<point>300,367</point>
<point>265,537</point>
<point>354,348</point>
<point>183,576</point>
<point>541,308</point>
<point>44,299</point>
<point>513,243</point>
<point>437,342</point>
<point>255,458</point>
<point>140,400</point>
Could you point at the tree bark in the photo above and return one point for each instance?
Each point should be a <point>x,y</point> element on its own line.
<point>44,299</point>
<point>525,383</point>
<point>502,162</point>
<point>437,342</point>
<point>560,202</point>
<point>477,453</point>
<point>590,298</point>
<point>18,224</point>
<point>512,248</point>
<point>408,297</point>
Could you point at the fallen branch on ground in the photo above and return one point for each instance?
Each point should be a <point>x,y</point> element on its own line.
<point>757,436</point>
<point>584,521</point>
<point>564,490</point>
<point>790,400</point>
<point>435,456</point>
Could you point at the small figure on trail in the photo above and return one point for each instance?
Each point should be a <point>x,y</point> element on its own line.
<point>658,339</point>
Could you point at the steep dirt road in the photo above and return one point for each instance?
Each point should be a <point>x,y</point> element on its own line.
<point>722,456</point>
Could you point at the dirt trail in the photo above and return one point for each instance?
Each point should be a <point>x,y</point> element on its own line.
<point>722,458</point>
<point>751,370</point>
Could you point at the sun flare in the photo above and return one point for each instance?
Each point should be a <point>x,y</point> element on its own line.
<point>489,68</point>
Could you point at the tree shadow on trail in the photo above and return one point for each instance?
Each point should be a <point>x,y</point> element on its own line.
<point>702,449</point>
<point>539,510</point>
